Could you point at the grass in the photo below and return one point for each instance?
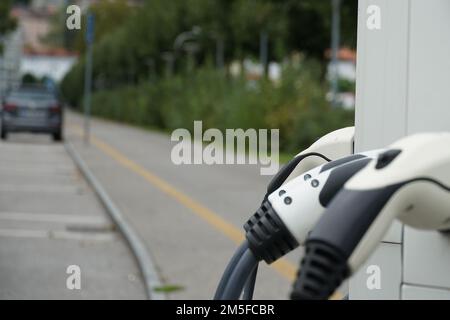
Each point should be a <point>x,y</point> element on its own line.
<point>169,288</point>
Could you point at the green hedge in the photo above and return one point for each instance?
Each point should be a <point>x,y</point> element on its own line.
<point>296,105</point>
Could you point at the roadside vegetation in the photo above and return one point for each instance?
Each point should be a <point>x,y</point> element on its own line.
<point>132,82</point>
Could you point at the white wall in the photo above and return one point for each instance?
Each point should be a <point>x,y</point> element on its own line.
<point>403,87</point>
<point>53,67</point>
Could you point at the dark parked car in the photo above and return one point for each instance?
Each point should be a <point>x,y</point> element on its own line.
<point>32,109</point>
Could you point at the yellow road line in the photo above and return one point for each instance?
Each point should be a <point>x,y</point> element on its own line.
<point>282,266</point>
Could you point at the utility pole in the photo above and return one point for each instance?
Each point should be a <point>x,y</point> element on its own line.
<point>220,53</point>
<point>169,58</point>
<point>191,49</point>
<point>186,40</point>
<point>335,35</point>
<point>65,37</point>
<point>88,75</point>
<point>264,51</point>
<point>150,62</point>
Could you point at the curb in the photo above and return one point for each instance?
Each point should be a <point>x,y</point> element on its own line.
<point>144,260</point>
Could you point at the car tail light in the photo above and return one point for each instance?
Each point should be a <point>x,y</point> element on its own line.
<point>9,107</point>
<point>55,109</point>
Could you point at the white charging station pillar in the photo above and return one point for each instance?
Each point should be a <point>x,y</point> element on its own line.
<point>403,87</point>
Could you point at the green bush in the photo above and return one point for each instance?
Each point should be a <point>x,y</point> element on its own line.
<point>346,85</point>
<point>296,105</point>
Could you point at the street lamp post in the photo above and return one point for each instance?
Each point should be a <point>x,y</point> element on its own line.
<point>220,53</point>
<point>185,41</point>
<point>220,49</point>
<point>185,36</point>
<point>191,49</point>
<point>264,50</point>
<point>335,34</point>
<point>169,58</point>
<point>150,63</point>
<point>88,76</point>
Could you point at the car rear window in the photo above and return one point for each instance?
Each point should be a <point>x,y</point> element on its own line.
<point>32,94</point>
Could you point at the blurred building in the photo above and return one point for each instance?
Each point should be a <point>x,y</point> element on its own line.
<point>346,69</point>
<point>10,61</point>
<point>36,56</point>
<point>46,4</point>
<point>28,51</point>
<point>346,63</point>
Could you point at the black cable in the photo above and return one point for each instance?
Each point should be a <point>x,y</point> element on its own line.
<point>249,288</point>
<point>229,269</point>
<point>240,275</point>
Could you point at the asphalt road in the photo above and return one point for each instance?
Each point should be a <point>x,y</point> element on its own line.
<point>189,216</point>
<point>50,219</point>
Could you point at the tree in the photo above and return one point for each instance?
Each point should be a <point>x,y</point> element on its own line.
<point>7,23</point>
<point>128,38</point>
<point>110,15</point>
<point>29,78</point>
<point>309,26</point>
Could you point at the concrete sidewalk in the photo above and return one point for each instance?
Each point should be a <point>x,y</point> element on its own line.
<point>190,217</point>
<point>50,219</point>
<point>189,252</point>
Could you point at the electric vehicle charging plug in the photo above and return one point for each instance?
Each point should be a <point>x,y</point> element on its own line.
<point>277,229</point>
<point>285,218</point>
<point>410,181</point>
<point>334,145</point>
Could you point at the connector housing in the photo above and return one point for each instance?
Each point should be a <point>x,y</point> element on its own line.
<point>322,270</point>
<point>267,236</point>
